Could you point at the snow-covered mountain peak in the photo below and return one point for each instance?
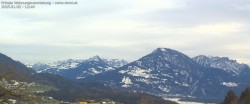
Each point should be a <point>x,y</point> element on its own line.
<point>160,50</point>
<point>224,63</point>
<point>65,64</point>
<point>78,69</point>
<point>163,63</point>
<point>40,67</point>
<point>116,62</point>
<point>61,65</point>
<point>95,58</point>
<point>110,62</point>
<point>174,57</point>
<point>168,52</point>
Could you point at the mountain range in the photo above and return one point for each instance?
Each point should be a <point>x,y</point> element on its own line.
<point>78,69</point>
<point>224,63</point>
<point>163,72</point>
<point>63,89</point>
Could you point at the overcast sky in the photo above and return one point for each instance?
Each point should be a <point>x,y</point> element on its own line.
<point>127,29</point>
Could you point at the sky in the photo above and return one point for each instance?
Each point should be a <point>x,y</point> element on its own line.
<point>127,29</point>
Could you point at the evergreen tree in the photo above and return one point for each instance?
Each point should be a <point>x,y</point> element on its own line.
<point>230,98</point>
<point>245,96</point>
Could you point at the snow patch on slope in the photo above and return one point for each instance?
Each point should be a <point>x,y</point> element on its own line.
<point>230,84</point>
<point>136,71</point>
<point>126,81</point>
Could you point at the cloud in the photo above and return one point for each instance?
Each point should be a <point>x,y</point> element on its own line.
<point>127,29</point>
<point>219,28</point>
